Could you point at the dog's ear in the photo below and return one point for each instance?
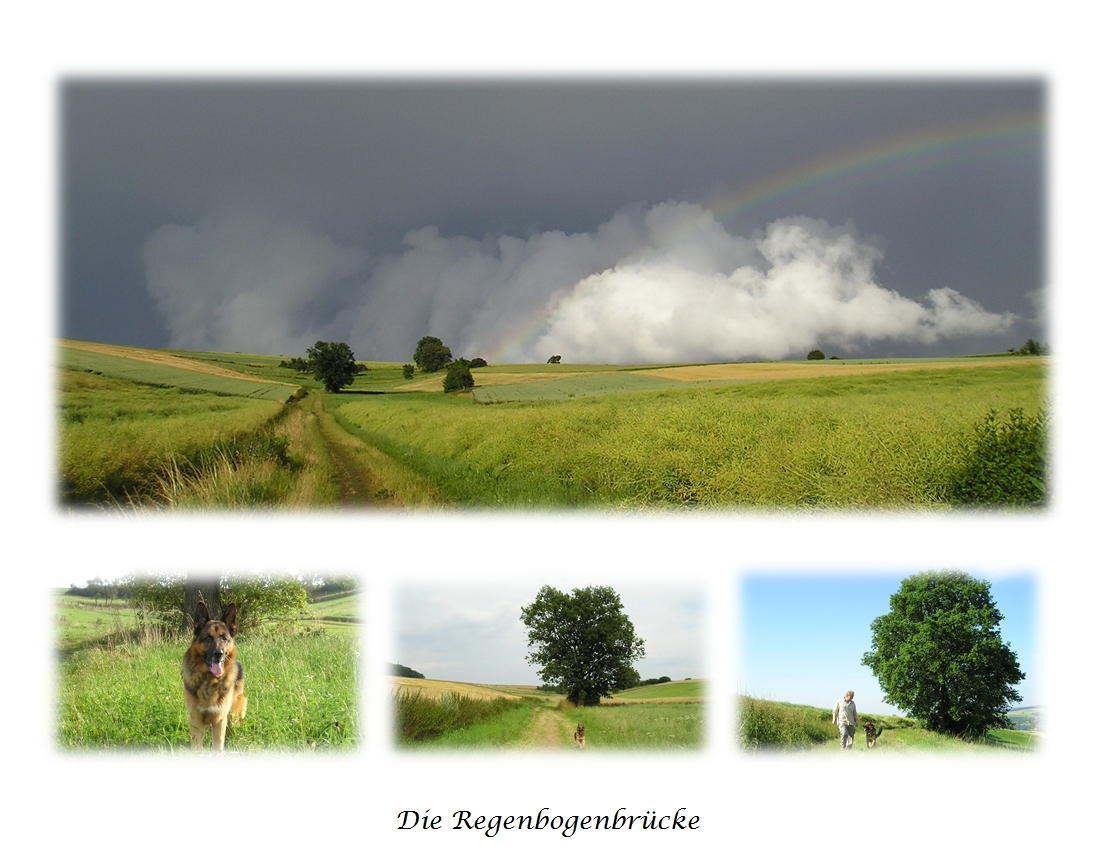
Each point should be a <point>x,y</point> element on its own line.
<point>230,618</point>
<point>201,617</point>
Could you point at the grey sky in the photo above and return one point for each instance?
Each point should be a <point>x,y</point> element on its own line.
<point>474,633</point>
<point>264,215</point>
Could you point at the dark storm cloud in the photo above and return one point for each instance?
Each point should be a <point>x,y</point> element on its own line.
<point>498,214</point>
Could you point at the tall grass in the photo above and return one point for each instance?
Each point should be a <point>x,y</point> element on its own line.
<point>775,725</point>
<point>133,445</point>
<point>302,691</point>
<point>894,440</point>
<point>420,717</point>
<point>115,436</point>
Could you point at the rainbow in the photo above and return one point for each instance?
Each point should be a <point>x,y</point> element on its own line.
<point>908,154</point>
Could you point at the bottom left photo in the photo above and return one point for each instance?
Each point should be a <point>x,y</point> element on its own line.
<point>180,662</point>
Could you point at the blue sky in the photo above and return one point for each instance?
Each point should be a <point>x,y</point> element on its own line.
<point>474,633</point>
<point>803,635</point>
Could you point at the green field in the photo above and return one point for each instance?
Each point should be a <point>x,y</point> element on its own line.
<point>187,381</point>
<point>576,386</point>
<point>890,435</point>
<point>443,715</point>
<point>891,440</point>
<point>120,686</point>
<point>674,689</point>
<point>776,726</point>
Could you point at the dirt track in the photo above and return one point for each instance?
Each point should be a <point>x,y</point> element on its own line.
<point>366,477</point>
<point>548,730</point>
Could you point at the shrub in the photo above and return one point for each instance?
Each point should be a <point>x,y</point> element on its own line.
<point>816,355</point>
<point>555,359</point>
<point>407,371</point>
<point>1006,462</point>
<point>458,376</point>
<point>478,363</point>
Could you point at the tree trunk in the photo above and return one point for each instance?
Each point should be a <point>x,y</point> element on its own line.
<point>206,587</point>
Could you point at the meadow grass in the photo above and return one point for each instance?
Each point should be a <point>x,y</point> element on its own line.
<point>81,620</point>
<point>893,440</point>
<point>1012,738</point>
<point>301,686</point>
<point>675,689</point>
<point>641,726</point>
<point>346,607</point>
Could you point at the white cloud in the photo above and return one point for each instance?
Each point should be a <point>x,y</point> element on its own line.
<point>663,284</point>
<point>811,285</point>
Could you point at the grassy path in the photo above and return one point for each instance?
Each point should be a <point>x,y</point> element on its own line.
<point>548,730</point>
<point>365,476</point>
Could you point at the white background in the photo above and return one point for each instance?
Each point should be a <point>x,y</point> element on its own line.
<point>173,808</point>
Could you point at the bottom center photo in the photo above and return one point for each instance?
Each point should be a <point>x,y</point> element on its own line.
<point>549,665</point>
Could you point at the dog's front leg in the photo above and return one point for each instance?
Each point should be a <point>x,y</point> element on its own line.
<point>218,729</point>
<point>196,734</point>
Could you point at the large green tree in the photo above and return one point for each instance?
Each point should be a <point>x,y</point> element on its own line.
<point>939,656</point>
<point>583,642</point>
<point>431,354</point>
<point>333,363</point>
<point>170,600</point>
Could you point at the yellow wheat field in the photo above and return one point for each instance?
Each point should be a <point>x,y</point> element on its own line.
<point>436,688</point>
<point>813,369</point>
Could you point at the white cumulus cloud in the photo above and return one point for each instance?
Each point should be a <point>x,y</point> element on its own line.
<point>662,284</point>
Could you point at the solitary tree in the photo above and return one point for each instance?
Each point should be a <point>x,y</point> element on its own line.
<point>431,354</point>
<point>816,354</point>
<point>938,654</point>
<point>554,359</point>
<point>583,642</point>
<point>333,363</point>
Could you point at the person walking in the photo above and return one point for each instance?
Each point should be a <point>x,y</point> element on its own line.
<point>845,717</point>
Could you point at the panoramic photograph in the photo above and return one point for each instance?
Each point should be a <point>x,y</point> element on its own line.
<point>715,294</point>
<point>517,666</point>
<point>175,662</point>
<point>935,662</point>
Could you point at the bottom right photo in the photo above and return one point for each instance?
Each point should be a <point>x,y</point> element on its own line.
<point>926,662</point>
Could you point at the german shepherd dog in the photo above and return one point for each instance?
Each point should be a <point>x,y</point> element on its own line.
<point>871,734</point>
<point>213,678</point>
<point>580,736</point>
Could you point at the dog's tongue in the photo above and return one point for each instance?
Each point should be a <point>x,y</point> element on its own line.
<point>217,668</point>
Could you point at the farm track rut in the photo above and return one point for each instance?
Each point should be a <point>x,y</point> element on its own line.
<point>354,481</point>
<point>365,476</point>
